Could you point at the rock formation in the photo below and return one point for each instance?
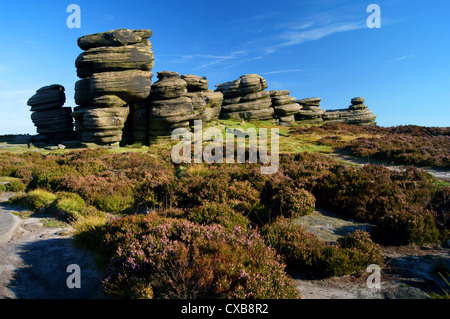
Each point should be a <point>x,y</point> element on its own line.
<point>176,101</point>
<point>53,122</point>
<point>357,113</point>
<point>284,106</point>
<point>116,71</point>
<point>246,99</point>
<point>311,113</point>
<point>207,103</point>
<point>169,106</point>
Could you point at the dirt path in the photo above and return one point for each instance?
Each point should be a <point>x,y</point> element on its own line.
<point>33,264</point>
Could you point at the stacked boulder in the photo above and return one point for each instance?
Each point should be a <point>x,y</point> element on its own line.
<point>284,106</point>
<point>311,113</point>
<point>246,99</point>
<point>206,103</point>
<point>176,101</point>
<point>169,106</point>
<point>357,113</point>
<point>116,71</point>
<point>53,122</point>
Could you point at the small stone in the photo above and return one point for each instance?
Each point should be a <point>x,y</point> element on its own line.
<point>357,100</point>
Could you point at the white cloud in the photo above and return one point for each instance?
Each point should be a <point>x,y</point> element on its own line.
<point>405,57</point>
<point>295,35</point>
<point>282,71</point>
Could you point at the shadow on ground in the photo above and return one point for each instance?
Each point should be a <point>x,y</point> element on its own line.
<point>44,275</point>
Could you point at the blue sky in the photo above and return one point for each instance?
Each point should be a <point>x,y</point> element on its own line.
<point>312,48</point>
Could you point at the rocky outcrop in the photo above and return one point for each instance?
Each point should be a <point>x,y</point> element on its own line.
<point>53,122</point>
<point>116,74</point>
<point>357,113</point>
<point>176,101</point>
<point>206,103</point>
<point>246,99</point>
<point>311,113</point>
<point>169,106</point>
<point>284,106</point>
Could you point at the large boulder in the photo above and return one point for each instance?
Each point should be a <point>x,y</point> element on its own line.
<point>284,106</point>
<point>310,113</point>
<point>116,71</point>
<point>357,113</point>
<point>105,59</point>
<point>48,98</point>
<point>54,123</point>
<point>129,85</point>
<point>248,83</point>
<point>169,86</point>
<point>195,83</point>
<point>119,37</point>
<point>246,99</point>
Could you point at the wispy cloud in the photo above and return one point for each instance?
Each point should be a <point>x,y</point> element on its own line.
<point>288,33</point>
<point>295,35</point>
<point>405,57</point>
<point>282,71</point>
<point>220,59</point>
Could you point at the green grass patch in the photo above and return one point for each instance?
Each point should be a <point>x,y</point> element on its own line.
<point>52,222</point>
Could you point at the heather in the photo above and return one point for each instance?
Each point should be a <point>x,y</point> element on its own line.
<point>407,145</point>
<point>175,258</point>
<point>224,231</point>
<point>305,251</point>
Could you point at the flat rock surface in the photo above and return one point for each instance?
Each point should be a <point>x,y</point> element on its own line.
<point>328,226</point>
<point>33,263</point>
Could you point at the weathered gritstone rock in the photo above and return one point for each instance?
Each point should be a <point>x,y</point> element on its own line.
<point>113,38</point>
<point>246,99</point>
<point>357,113</point>
<point>284,106</point>
<point>54,123</point>
<point>48,98</point>
<point>106,59</point>
<point>311,113</point>
<point>195,83</point>
<point>116,71</point>
<point>176,101</point>
<point>169,107</point>
<point>100,125</point>
<point>207,103</point>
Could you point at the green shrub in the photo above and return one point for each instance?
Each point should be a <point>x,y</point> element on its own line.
<point>395,201</point>
<point>216,213</point>
<point>304,250</point>
<point>34,200</point>
<point>299,247</point>
<point>2,188</point>
<point>15,186</point>
<point>440,204</point>
<point>114,203</point>
<point>219,187</point>
<point>286,199</point>
<point>68,205</point>
<point>174,258</point>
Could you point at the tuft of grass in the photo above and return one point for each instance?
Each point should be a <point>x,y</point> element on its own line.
<point>15,186</point>
<point>52,222</point>
<point>34,200</point>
